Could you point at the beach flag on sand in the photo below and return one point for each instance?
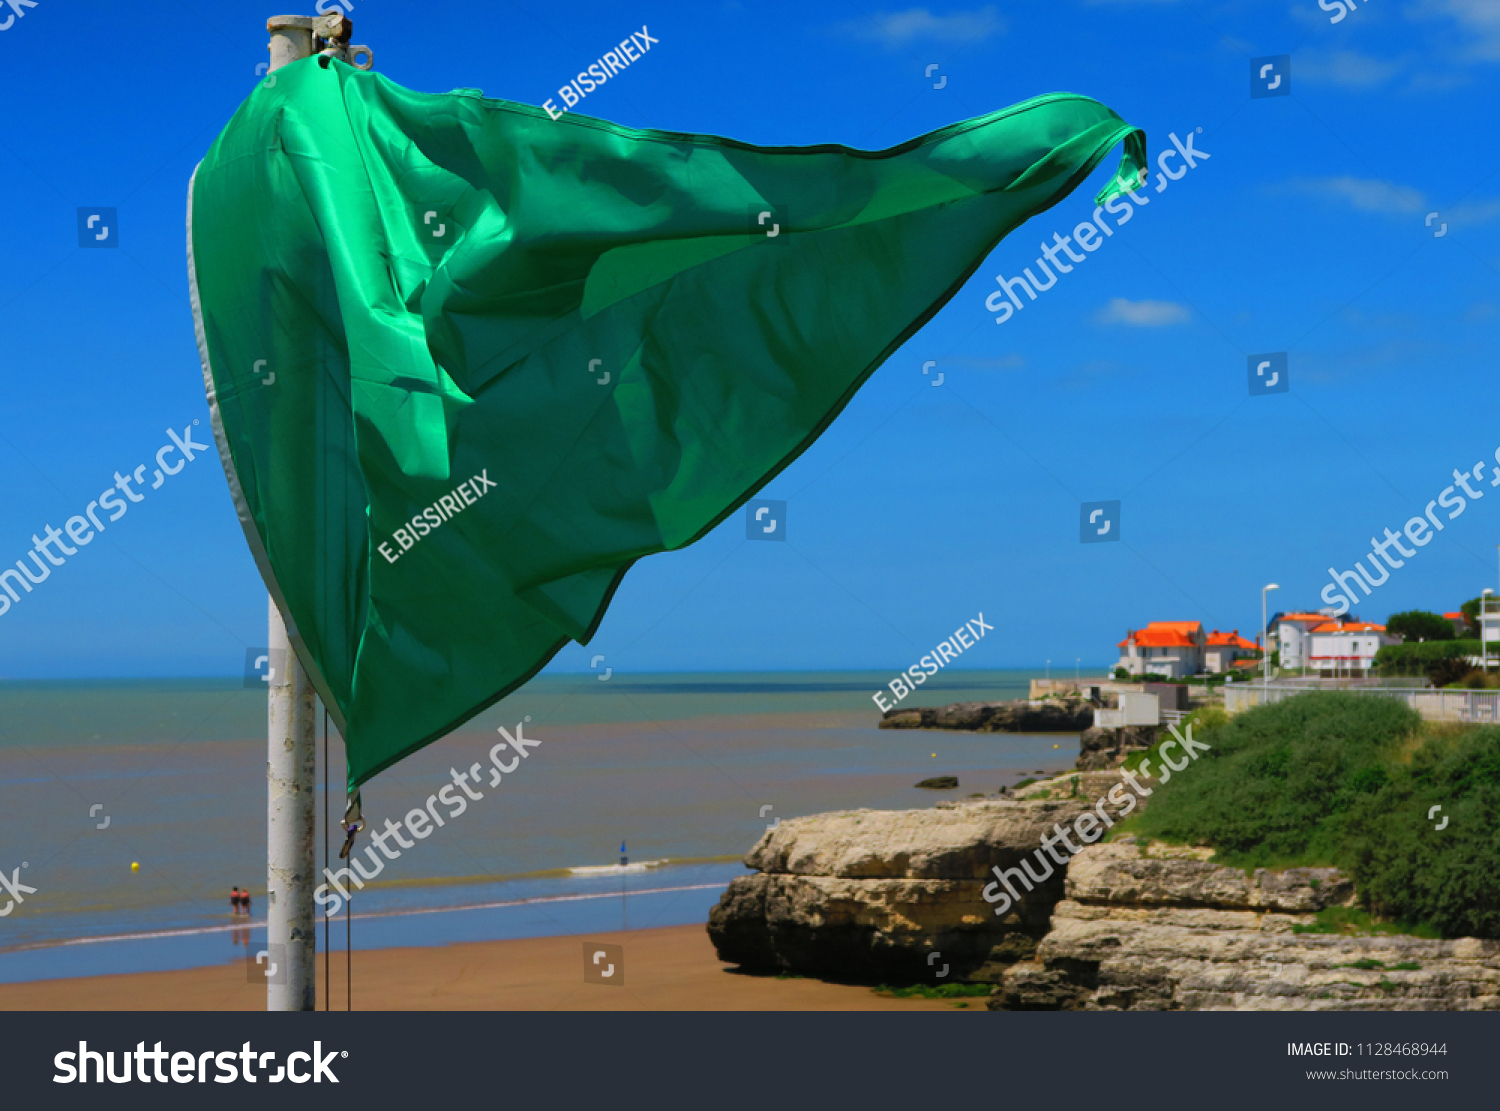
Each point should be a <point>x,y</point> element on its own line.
<point>467,363</point>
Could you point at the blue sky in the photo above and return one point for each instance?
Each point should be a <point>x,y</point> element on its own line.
<point>1305,231</point>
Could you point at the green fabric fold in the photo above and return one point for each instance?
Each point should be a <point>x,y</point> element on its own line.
<point>512,355</point>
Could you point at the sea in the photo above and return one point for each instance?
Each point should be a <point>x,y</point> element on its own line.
<point>132,807</point>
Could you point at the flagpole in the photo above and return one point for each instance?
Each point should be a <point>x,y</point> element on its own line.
<point>291,824</point>
<point>292,752</point>
<point>291,765</point>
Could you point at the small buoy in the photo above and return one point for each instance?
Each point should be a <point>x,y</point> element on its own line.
<point>135,865</point>
<point>934,755</point>
<point>1054,746</point>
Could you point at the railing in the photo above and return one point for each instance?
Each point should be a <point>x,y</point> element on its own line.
<point>1474,707</point>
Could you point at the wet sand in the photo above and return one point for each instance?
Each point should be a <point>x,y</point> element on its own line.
<point>673,968</point>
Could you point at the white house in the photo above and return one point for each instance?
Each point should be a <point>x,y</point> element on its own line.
<point>1224,648</point>
<point>1489,623</point>
<point>1172,648</point>
<point>1339,649</point>
<point>1292,633</point>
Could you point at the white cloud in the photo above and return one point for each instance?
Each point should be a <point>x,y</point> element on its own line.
<point>918,25</point>
<point>1386,198</point>
<point>1142,314</point>
<point>1443,41</point>
<point>1348,68</point>
<point>1365,194</point>
<point>1470,214</point>
<point>1479,20</point>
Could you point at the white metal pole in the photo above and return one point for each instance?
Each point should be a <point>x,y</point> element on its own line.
<point>291,826</point>
<point>291,766</point>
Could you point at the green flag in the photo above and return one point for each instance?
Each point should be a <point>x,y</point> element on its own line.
<point>467,363</point>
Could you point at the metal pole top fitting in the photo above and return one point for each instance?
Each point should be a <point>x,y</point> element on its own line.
<point>329,36</point>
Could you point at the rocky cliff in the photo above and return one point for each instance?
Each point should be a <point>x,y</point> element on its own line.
<point>1061,715</point>
<point>898,896</point>
<point>869,895</point>
<point>1167,929</point>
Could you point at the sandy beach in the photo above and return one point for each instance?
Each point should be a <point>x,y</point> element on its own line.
<point>672,968</point>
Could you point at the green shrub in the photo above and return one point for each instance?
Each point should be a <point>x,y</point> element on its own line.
<point>1419,625</point>
<point>1449,672</point>
<point>1278,781</point>
<point>1353,922</point>
<point>1415,658</point>
<point>1405,867</point>
<point>1331,778</point>
<point>1205,717</point>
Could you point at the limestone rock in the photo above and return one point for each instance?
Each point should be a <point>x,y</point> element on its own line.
<point>940,783</point>
<point>869,930</point>
<point>897,896</point>
<point>1173,931</point>
<point>867,895</point>
<point>957,840</point>
<point>1064,715</point>
<point>1120,873</point>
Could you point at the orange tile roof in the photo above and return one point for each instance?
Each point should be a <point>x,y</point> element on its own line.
<point>1161,638</point>
<point>1356,627</point>
<point>1165,634</point>
<point>1232,640</point>
<point>1319,617</point>
<point>1455,616</point>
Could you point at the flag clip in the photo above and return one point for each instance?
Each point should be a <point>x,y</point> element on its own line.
<point>331,32</point>
<point>353,823</point>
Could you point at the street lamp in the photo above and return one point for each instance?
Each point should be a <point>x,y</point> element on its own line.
<point>1265,644</point>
